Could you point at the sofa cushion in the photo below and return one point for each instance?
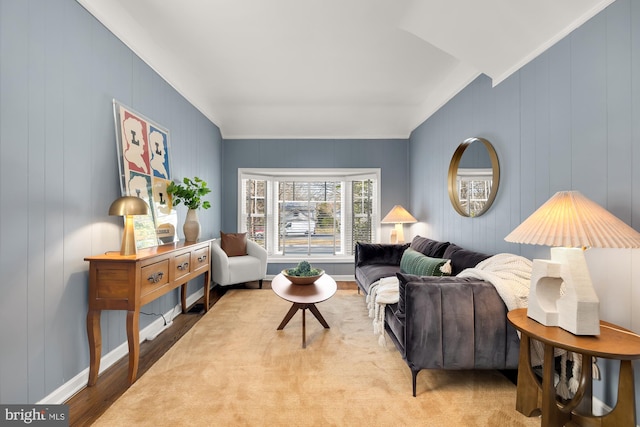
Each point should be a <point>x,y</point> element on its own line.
<point>377,253</point>
<point>233,244</point>
<point>429,247</point>
<point>462,258</point>
<point>414,262</point>
<point>368,274</point>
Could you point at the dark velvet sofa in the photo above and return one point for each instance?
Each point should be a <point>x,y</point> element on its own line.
<point>441,322</point>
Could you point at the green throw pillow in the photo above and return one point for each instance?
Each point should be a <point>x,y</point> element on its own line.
<point>414,262</point>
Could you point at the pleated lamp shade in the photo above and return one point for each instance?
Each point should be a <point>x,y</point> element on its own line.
<point>568,219</point>
<point>398,215</point>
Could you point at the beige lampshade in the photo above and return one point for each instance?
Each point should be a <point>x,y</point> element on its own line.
<point>398,215</point>
<point>569,219</point>
<point>128,205</point>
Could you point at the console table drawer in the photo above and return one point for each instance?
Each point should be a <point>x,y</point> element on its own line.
<point>153,277</point>
<point>200,258</point>
<point>181,265</point>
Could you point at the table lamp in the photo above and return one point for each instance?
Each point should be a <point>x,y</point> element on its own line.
<point>398,216</point>
<point>128,206</point>
<point>570,223</point>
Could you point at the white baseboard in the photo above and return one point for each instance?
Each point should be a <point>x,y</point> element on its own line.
<point>77,383</point>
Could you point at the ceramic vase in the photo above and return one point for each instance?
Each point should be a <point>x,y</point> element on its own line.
<point>191,227</point>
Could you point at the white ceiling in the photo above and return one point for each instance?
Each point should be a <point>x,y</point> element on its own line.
<point>334,68</point>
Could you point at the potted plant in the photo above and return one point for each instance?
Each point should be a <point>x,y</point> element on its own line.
<point>190,193</point>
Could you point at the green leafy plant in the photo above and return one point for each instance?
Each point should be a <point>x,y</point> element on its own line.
<point>304,270</point>
<point>190,192</point>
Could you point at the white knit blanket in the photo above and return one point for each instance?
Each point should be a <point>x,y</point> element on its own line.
<point>382,292</point>
<point>510,274</point>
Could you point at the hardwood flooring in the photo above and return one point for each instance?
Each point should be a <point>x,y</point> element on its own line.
<point>89,403</point>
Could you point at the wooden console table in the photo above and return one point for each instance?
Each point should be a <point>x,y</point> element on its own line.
<point>535,396</point>
<point>118,282</point>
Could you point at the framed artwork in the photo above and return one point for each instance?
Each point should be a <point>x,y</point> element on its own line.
<point>145,171</point>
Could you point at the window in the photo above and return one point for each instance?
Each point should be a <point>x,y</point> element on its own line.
<point>305,213</point>
<point>474,188</point>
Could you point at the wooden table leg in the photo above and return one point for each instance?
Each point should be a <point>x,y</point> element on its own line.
<point>207,281</point>
<point>624,413</point>
<point>289,315</point>
<point>551,414</point>
<point>528,390</point>
<point>94,335</point>
<point>133,338</point>
<point>304,329</point>
<point>183,298</point>
<point>316,313</point>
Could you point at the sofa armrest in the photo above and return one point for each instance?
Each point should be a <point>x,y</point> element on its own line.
<point>377,253</point>
<point>456,323</point>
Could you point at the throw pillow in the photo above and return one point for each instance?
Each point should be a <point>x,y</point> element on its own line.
<point>429,247</point>
<point>234,244</point>
<point>462,258</point>
<point>416,263</point>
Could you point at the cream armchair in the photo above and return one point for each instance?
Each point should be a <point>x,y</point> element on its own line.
<point>238,269</point>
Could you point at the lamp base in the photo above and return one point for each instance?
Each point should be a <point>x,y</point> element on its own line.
<point>577,308</point>
<point>128,237</point>
<point>393,237</point>
<point>399,229</point>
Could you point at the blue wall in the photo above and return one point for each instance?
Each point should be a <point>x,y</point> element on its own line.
<point>570,119</point>
<point>390,155</point>
<point>59,71</point>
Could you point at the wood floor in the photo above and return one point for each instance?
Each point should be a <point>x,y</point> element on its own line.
<point>89,403</point>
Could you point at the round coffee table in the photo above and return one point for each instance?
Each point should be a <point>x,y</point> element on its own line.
<point>304,297</point>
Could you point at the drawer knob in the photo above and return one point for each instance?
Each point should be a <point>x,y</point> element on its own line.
<point>183,266</point>
<point>155,277</point>
<point>202,258</point>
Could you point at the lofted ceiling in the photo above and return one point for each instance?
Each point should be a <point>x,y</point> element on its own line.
<point>333,68</point>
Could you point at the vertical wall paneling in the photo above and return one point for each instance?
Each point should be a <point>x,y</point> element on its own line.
<point>36,196</point>
<point>570,119</point>
<point>14,84</point>
<point>559,107</point>
<point>635,114</point>
<point>53,146</point>
<point>508,151</point>
<point>77,212</point>
<point>588,109</point>
<point>59,71</point>
<point>618,110</point>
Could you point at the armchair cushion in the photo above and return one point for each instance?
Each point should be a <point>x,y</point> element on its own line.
<point>234,244</point>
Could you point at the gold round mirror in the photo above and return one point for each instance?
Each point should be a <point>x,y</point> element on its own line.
<point>474,175</point>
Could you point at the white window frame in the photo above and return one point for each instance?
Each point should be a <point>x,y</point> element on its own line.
<point>308,174</point>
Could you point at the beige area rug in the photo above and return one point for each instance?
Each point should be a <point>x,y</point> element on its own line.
<point>233,368</point>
